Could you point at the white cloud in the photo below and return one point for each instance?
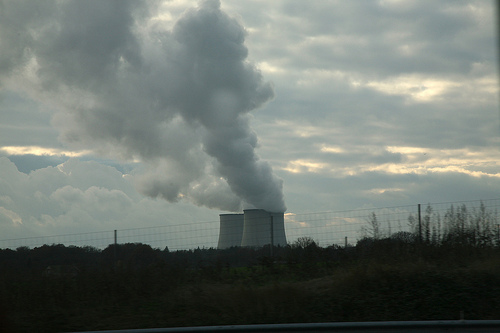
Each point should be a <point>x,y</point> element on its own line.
<point>78,197</point>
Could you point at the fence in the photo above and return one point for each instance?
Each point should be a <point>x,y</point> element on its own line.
<point>432,222</point>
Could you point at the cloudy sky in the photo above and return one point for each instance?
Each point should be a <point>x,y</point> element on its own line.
<point>129,114</point>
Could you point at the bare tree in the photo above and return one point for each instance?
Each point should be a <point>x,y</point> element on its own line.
<point>373,226</point>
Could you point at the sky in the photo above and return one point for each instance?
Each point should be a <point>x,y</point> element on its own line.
<point>130,114</point>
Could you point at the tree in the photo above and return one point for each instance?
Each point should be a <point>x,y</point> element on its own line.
<point>427,223</point>
<point>304,242</point>
<point>413,224</point>
<point>373,226</point>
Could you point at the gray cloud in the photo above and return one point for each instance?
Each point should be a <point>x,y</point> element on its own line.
<point>376,38</point>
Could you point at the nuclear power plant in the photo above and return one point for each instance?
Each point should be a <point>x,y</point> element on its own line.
<point>253,228</point>
<point>231,230</point>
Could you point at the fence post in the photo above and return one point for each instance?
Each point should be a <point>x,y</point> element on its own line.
<point>272,237</point>
<point>115,246</point>
<point>419,225</point>
<point>498,234</point>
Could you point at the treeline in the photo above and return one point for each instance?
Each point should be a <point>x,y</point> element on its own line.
<point>476,226</point>
<point>459,234</point>
<point>58,259</point>
<point>459,226</point>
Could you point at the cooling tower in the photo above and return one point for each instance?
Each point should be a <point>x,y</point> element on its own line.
<point>231,230</point>
<point>257,228</point>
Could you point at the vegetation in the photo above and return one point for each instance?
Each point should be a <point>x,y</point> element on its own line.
<point>446,266</point>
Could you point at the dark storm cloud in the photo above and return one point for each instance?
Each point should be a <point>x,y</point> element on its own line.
<point>178,99</point>
<point>19,20</point>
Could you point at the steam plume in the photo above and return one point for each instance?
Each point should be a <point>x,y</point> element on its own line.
<point>178,99</point>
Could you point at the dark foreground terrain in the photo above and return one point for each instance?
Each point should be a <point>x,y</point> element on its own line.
<point>57,288</point>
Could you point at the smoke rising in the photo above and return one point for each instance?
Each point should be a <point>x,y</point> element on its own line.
<point>124,86</point>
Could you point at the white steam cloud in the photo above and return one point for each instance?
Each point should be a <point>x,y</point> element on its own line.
<point>124,86</point>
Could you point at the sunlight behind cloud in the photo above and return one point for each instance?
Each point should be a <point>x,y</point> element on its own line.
<point>474,162</point>
<point>302,165</point>
<point>419,160</point>
<point>268,67</point>
<point>424,89</point>
<point>291,220</point>
<point>332,149</point>
<point>417,88</point>
<point>41,151</point>
<point>386,190</point>
<point>10,215</point>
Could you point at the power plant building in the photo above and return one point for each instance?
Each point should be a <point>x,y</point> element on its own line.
<point>253,228</point>
<point>231,230</point>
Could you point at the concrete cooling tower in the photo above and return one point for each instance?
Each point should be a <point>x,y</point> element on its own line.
<point>231,230</point>
<point>257,229</point>
<point>252,228</point>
